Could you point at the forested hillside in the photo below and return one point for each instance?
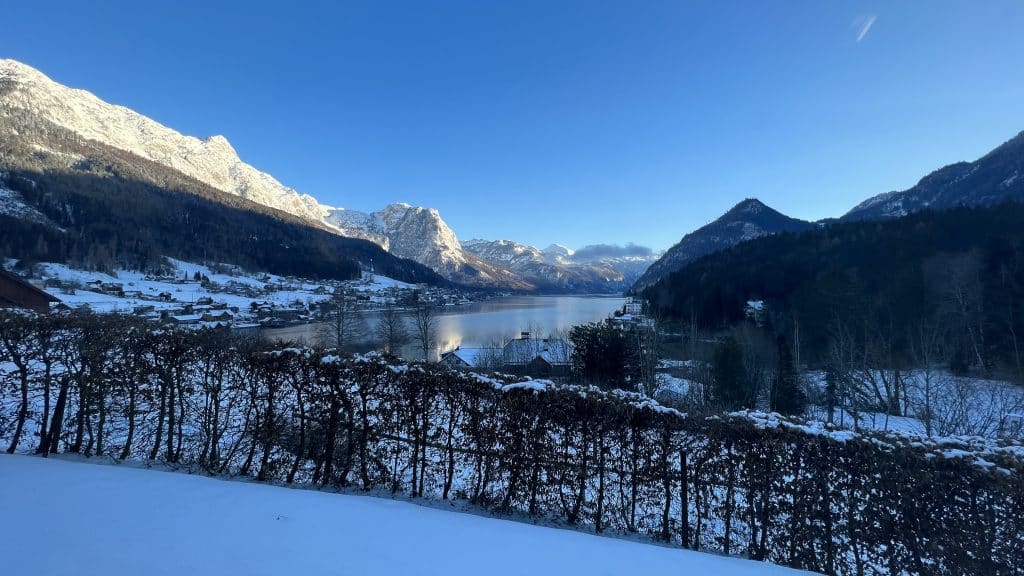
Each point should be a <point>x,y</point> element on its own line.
<point>932,287</point>
<point>109,208</point>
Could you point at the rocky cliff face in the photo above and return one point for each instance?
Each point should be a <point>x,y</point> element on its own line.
<point>406,231</point>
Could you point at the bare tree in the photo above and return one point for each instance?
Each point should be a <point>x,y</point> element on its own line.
<point>425,318</point>
<point>343,322</point>
<point>957,281</point>
<point>18,348</point>
<point>391,330</point>
<point>926,344</point>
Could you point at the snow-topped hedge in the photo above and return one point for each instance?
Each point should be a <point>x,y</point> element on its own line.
<point>750,484</point>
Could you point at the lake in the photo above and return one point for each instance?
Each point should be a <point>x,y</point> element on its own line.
<point>483,323</point>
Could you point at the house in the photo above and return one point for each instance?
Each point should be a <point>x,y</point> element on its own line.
<point>111,288</point>
<point>185,319</point>
<point>15,292</point>
<point>633,307</point>
<point>537,357</point>
<point>464,358</point>
<point>204,301</point>
<point>221,316</point>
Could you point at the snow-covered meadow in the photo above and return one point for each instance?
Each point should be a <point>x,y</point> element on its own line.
<point>117,520</point>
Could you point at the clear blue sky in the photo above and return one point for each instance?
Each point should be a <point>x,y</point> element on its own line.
<point>550,121</point>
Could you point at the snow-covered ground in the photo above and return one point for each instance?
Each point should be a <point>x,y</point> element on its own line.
<point>276,290</point>
<point>957,405</point>
<point>77,518</point>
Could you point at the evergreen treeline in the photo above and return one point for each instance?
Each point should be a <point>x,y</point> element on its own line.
<point>931,287</point>
<point>110,208</point>
<point>747,485</point>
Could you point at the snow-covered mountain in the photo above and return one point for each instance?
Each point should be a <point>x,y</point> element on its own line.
<point>210,160</point>
<point>412,232</point>
<point>995,177</point>
<point>559,268</point>
<point>745,221</point>
<point>406,231</point>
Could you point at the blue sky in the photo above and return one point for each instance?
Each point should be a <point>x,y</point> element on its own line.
<point>556,121</point>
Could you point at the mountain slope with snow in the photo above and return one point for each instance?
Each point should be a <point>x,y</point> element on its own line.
<point>416,233</point>
<point>210,160</point>
<point>117,520</point>
<point>562,269</point>
<point>745,221</point>
<point>995,177</point>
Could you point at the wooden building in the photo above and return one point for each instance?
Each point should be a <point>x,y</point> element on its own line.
<point>15,292</point>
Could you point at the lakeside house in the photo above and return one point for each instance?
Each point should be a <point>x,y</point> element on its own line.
<point>466,358</point>
<point>542,357</point>
<point>537,356</point>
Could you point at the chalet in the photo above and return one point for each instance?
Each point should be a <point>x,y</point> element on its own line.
<point>15,292</point>
<point>185,319</point>
<point>110,288</point>
<point>222,316</point>
<point>246,328</point>
<point>465,358</point>
<point>537,357</point>
<point>204,301</point>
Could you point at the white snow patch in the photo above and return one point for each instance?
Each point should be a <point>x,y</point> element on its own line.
<point>170,523</point>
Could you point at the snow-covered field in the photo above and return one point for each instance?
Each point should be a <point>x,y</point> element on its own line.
<point>78,518</point>
<point>270,288</point>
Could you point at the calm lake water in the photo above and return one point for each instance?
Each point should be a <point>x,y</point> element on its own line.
<point>484,323</point>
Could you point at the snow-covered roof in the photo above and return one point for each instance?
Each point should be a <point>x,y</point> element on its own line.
<point>188,317</point>
<point>474,357</point>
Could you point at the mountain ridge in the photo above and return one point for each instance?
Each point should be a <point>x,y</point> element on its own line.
<point>748,219</point>
<point>996,176</point>
<point>412,232</point>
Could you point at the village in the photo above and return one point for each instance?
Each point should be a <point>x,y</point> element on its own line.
<point>213,296</point>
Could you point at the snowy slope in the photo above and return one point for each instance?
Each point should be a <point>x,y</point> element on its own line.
<point>210,160</point>
<point>114,520</point>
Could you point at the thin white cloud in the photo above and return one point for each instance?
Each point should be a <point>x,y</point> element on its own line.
<point>863,25</point>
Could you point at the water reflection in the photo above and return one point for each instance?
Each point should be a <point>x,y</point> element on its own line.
<point>481,323</point>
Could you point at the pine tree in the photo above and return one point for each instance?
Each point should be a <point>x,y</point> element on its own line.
<point>732,389</point>
<point>786,395</point>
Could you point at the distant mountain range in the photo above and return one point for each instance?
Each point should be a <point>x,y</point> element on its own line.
<point>415,233</point>
<point>589,270</point>
<point>54,127</point>
<point>995,177</point>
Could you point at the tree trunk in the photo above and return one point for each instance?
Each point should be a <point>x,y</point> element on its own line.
<point>57,423</point>
<point>22,411</point>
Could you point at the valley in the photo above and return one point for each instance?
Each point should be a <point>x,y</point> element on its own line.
<point>841,395</point>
